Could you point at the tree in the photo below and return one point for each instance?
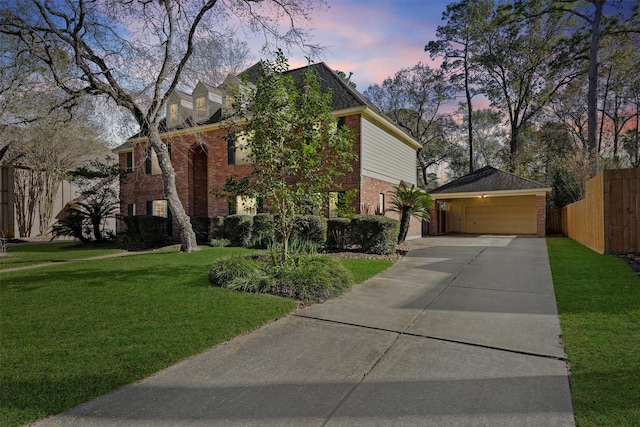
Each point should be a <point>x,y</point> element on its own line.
<point>412,98</point>
<point>98,200</point>
<point>43,146</point>
<point>134,54</point>
<point>455,45</point>
<point>409,202</point>
<point>293,141</point>
<point>522,67</point>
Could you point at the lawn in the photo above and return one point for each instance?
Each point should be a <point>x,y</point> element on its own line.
<point>29,254</point>
<point>598,300</point>
<point>74,331</point>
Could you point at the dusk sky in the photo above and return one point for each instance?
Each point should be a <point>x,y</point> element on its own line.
<point>374,39</point>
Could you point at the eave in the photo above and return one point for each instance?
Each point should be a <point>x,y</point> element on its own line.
<point>494,193</point>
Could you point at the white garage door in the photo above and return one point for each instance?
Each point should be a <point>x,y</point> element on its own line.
<point>500,220</point>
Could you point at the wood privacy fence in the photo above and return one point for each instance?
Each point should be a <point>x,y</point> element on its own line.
<point>607,220</point>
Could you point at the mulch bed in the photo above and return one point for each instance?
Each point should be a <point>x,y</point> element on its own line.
<point>401,250</point>
<point>633,260</point>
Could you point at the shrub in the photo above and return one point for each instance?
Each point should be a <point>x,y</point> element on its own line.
<point>146,231</point>
<point>217,227</point>
<point>264,230</point>
<point>219,243</point>
<point>306,278</point>
<point>312,279</point>
<point>374,234</point>
<point>237,228</point>
<point>201,226</point>
<point>310,227</point>
<point>224,271</point>
<point>338,233</point>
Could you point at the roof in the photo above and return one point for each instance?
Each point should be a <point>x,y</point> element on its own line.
<point>344,97</point>
<point>488,179</point>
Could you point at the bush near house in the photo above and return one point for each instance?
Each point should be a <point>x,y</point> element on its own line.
<point>238,228</point>
<point>310,228</point>
<point>338,233</point>
<point>264,230</point>
<point>146,231</point>
<point>375,234</point>
<point>201,226</point>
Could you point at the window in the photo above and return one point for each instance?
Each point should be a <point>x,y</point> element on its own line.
<point>381,204</point>
<point>333,204</point>
<point>341,121</point>
<point>152,166</point>
<point>131,209</point>
<point>201,111</point>
<point>158,208</point>
<point>129,161</point>
<point>246,205</point>
<point>173,113</point>
<point>238,151</point>
<point>161,208</point>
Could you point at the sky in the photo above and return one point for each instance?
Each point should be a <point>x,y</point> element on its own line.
<point>373,39</point>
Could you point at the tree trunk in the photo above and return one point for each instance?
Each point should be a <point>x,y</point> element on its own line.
<point>592,94</point>
<point>469,106</point>
<point>187,236</point>
<point>405,221</point>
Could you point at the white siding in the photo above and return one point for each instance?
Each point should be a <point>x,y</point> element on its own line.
<point>385,157</point>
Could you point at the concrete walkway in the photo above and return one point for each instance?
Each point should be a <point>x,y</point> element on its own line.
<point>461,332</point>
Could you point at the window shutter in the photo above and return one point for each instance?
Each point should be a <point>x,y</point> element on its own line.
<point>231,149</point>
<point>147,161</point>
<point>129,161</point>
<point>149,207</point>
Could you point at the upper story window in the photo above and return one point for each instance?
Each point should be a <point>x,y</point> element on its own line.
<point>129,161</point>
<point>201,108</point>
<point>238,152</point>
<point>152,166</point>
<point>173,113</point>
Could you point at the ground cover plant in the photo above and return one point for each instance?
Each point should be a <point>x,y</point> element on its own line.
<point>598,300</point>
<point>29,254</point>
<point>74,331</point>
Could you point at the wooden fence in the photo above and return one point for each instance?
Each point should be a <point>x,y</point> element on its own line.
<point>607,219</point>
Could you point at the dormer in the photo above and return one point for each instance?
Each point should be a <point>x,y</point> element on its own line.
<point>207,101</point>
<point>179,108</point>
<point>230,85</point>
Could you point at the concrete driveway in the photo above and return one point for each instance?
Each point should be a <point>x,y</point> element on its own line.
<point>463,331</point>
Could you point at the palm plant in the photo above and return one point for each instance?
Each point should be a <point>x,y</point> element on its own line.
<point>408,202</point>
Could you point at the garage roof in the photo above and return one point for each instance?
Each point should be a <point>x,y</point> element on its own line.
<point>491,180</point>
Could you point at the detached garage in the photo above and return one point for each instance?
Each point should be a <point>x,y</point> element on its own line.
<point>489,201</point>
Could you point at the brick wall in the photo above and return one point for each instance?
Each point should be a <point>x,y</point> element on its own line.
<point>370,191</point>
<point>541,216</point>
<point>194,154</point>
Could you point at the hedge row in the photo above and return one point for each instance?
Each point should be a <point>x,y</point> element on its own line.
<point>371,233</point>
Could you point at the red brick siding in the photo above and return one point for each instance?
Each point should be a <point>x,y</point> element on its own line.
<point>371,189</point>
<point>188,154</point>
<point>541,215</point>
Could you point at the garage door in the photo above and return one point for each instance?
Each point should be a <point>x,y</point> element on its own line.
<point>500,219</point>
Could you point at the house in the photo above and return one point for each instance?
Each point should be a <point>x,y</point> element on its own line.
<point>204,152</point>
<point>489,201</point>
<point>10,218</point>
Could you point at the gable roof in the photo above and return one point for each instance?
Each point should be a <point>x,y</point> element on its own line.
<point>344,97</point>
<point>488,179</point>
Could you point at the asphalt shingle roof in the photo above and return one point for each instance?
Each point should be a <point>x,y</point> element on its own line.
<point>488,179</point>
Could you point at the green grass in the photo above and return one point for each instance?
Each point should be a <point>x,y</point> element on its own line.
<point>74,331</point>
<point>29,254</point>
<point>362,269</point>
<point>598,300</point>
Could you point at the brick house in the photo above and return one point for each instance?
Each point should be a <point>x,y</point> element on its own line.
<point>204,155</point>
<point>489,201</point>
